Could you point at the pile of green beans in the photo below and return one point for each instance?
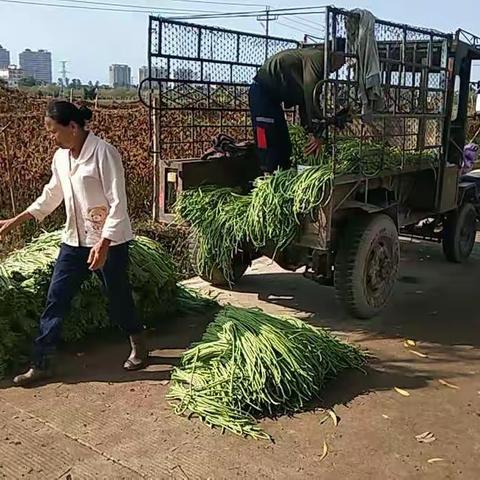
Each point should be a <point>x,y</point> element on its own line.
<point>224,223</point>
<point>269,217</point>
<point>353,155</point>
<point>216,217</point>
<point>25,276</point>
<point>250,364</point>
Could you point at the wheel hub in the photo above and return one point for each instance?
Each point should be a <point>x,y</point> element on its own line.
<point>381,268</point>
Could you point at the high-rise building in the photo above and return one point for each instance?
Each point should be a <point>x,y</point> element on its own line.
<point>184,73</point>
<point>120,75</point>
<point>4,57</point>
<point>12,75</point>
<point>37,64</point>
<point>157,72</point>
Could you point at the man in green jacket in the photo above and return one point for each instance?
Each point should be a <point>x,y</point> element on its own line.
<point>289,77</point>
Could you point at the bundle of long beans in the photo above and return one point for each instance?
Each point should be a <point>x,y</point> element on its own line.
<point>224,222</point>
<point>269,215</point>
<point>24,280</point>
<point>250,364</point>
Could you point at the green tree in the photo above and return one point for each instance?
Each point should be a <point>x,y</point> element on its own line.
<point>76,83</point>
<point>27,82</point>
<point>90,92</point>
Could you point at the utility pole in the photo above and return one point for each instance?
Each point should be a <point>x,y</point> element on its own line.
<point>265,20</point>
<point>63,71</point>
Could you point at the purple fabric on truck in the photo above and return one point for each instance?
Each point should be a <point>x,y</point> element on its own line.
<point>470,155</point>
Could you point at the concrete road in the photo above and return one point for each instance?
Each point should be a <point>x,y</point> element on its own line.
<point>96,422</point>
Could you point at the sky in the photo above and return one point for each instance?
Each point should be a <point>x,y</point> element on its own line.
<point>92,40</point>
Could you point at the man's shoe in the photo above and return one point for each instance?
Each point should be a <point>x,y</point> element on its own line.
<point>31,377</point>
<point>139,355</point>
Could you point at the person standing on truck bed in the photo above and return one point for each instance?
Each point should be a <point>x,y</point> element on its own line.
<point>289,77</point>
<point>88,177</point>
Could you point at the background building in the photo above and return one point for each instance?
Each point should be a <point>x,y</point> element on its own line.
<point>120,75</point>
<point>12,75</point>
<point>4,58</point>
<point>37,65</point>
<point>157,72</point>
<point>184,73</point>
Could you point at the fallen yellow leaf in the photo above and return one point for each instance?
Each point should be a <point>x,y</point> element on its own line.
<point>449,385</point>
<point>325,450</point>
<point>402,392</point>
<point>419,354</point>
<point>333,415</point>
<point>411,343</point>
<point>435,460</point>
<point>324,419</point>
<point>425,437</point>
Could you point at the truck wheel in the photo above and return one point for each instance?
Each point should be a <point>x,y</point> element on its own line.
<point>241,261</point>
<point>366,264</point>
<point>459,233</point>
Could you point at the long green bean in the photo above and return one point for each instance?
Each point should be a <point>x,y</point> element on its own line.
<point>224,223</point>
<point>249,364</point>
<point>24,280</point>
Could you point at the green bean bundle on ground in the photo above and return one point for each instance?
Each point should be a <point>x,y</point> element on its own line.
<point>25,276</point>
<point>249,364</point>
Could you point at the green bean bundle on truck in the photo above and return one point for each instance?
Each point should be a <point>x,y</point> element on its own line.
<point>224,222</point>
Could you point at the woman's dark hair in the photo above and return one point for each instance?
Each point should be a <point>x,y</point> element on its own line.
<point>65,112</point>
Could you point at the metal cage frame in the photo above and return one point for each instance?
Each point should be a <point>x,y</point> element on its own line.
<point>197,87</point>
<point>414,81</point>
<point>198,81</point>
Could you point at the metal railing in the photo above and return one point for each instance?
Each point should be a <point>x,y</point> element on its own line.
<point>198,83</point>
<point>414,85</point>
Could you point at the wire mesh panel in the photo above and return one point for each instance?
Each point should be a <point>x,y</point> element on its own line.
<point>403,128</point>
<point>198,83</point>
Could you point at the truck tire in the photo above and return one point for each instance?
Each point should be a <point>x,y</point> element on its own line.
<point>366,264</point>
<point>459,233</point>
<point>241,261</point>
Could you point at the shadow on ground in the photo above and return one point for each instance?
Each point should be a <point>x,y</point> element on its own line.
<point>434,302</point>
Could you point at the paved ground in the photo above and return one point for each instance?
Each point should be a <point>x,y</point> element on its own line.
<point>96,421</point>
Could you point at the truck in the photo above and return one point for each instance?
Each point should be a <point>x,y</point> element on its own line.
<point>198,87</point>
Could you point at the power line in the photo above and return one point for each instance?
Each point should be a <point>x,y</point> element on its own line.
<point>212,2</point>
<point>126,5</point>
<point>291,28</point>
<point>309,22</point>
<point>99,8</point>
<point>161,7</point>
<point>291,9</point>
<point>305,28</point>
<point>247,14</point>
<point>177,14</point>
<point>296,23</point>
